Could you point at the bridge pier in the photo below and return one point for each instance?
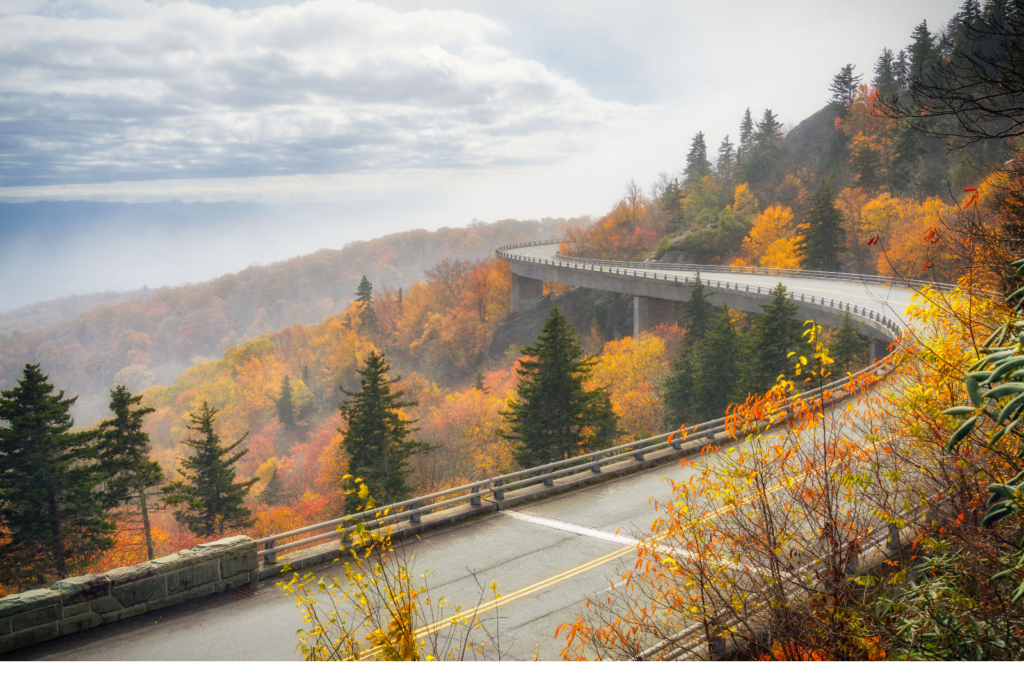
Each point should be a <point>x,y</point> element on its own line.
<point>649,312</point>
<point>877,349</point>
<point>525,290</point>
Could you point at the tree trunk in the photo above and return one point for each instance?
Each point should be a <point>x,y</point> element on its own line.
<point>145,522</point>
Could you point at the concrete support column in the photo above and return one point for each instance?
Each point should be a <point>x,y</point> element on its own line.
<point>648,313</point>
<point>525,290</point>
<point>878,348</point>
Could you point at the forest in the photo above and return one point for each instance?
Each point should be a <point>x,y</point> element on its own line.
<point>263,377</point>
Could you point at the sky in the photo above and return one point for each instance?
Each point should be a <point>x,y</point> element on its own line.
<point>421,114</point>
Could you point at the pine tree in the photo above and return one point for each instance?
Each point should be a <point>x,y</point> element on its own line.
<point>847,349</point>
<point>746,135</point>
<point>52,512</point>
<point>364,297</point>
<point>376,437</point>
<point>717,369</point>
<point>554,417</point>
<point>902,69</point>
<point>213,501</point>
<point>285,404</point>
<point>123,452</point>
<point>725,164</point>
<point>678,399</point>
<point>769,130</point>
<point>775,333</point>
<point>885,79</point>
<point>844,85</point>
<point>823,236</point>
<point>922,51</point>
<point>672,201</point>
<point>273,494</point>
<point>697,312</point>
<point>697,164</point>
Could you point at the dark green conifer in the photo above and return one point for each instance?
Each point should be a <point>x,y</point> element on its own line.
<point>848,350</point>
<point>697,311</point>
<point>286,404</point>
<point>746,135</point>
<point>51,508</point>
<point>554,417</point>
<point>376,437</point>
<point>273,494</point>
<point>211,498</point>
<point>697,163</point>
<point>725,164</point>
<point>672,201</point>
<point>717,375</point>
<point>921,51</point>
<point>123,451</point>
<point>823,238</point>
<point>679,399</point>
<point>774,334</point>
<point>769,130</point>
<point>844,86</point>
<point>364,297</point>
<point>886,79</point>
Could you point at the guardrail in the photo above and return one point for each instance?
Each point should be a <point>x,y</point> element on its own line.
<point>640,273</point>
<point>739,270</point>
<point>411,510</point>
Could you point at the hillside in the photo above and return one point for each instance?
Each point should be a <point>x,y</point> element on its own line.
<point>151,339</point>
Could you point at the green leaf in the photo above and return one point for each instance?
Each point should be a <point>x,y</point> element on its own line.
<point>973,391</point>
<point>962,431</point>
<point>959,410</point>
<point>1004,390</point>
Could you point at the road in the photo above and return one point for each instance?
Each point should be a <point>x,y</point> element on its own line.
<point>547,557</point>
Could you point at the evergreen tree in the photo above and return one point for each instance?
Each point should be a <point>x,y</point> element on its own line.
<point>51,511</point>
<point>273,494</point>
<point>775,333</point>
<point>769,130</point>
<point>844,85</point>
<point>213,501</point>
<point>697,312</point>
<point>364,297</point>
<point>725,164</point>
<point>746,135</point>
<point>885,79</point>
<point>922,51</point>
<point>123,451</point>
<point>847,349</point>
<point>678,398</point>
<point>902,69</point>
<point>717,374</point>
<point>823,236</point>
<point>697,164</point>
<point>672,201</point>
<point>285,404</point>
<point>554,417</point>
<point>376,437</point>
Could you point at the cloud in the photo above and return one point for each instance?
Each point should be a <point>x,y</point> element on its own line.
<point>98,91</point>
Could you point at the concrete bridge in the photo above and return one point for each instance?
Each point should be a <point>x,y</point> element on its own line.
<point>549,555</point>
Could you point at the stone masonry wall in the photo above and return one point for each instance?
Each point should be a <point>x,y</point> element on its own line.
<point>84,602</point>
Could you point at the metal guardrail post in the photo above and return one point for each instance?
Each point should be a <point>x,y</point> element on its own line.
<point>499,494</point>
<point>549,481</point>
<point>639,456</point>
<point>475,500</point>
<point>415,517</point>
<point>596,468</point>
<point>269,558</point>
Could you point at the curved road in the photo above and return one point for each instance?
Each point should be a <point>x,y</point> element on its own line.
<point>548,557</point>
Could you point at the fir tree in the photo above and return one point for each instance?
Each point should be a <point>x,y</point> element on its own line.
<point>286,404</point>
<point>823,236</point>
<point>678,398</point>
<point>123,452</point>
<point>696,312</point>
<point>273,493</point>
<point>213,501</point>
<point>52,513</point>
<point>746,135</point>
<point>554,417</point>
<point>364,297</point>
<point>769,130</point>
<point>376,437</point>
<point>922,51</point>
<point>902,69</point>
<point>697,164</point>
<point>844,85</point>
<point>886,79</point>
<point>775,333</point>
<point>672,201</point>
<point>717,375</point>
<point>725,164</point>
<point>847,348</point>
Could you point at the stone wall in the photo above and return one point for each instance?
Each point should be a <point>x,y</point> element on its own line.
<point>84,602</point>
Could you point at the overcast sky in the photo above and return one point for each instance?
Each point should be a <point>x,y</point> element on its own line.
<point>440,112</point>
